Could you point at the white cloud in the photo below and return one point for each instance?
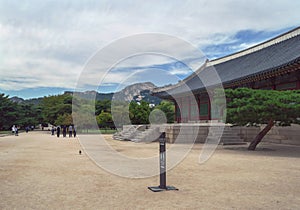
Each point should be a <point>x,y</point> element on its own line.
<point>180,71</point>
<point>47,43</point>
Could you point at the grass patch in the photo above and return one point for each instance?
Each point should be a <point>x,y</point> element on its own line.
<point>108,131</point>
<point>5,132</point>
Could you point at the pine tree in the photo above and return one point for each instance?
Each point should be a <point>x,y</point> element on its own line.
<point>249,107</point>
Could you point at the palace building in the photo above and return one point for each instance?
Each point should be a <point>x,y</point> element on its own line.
<point>274,65</point>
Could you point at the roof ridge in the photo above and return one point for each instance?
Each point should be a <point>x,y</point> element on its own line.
<point>280,38</point>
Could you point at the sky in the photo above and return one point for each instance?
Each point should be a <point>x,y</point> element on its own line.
<point>46,47</point>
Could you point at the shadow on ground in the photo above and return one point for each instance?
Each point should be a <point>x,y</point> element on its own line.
<point>268,149</point>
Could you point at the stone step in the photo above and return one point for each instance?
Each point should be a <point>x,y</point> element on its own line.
<point>233,143</point>
<point>229,141</point>
<point>222,132</point>
<point>228,136</point>
<point>149,135</point>
<point>231,138</point>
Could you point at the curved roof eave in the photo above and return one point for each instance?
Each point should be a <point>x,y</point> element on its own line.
<point>267,56</point>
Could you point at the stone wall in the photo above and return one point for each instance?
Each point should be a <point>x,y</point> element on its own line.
<point>280,135</point>
<point>187,133</point>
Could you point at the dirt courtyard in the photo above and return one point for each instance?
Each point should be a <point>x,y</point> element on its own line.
<point>40,171</point>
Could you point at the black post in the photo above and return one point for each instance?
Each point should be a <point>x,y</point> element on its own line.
<point>162,167</point>
<point>162,160</point>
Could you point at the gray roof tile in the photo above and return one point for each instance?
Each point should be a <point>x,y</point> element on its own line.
<point>264,60</point>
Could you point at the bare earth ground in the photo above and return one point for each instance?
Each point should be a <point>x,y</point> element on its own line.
<point>39,171</point>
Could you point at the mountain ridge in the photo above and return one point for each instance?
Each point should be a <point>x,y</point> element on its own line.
<point>136,92</point>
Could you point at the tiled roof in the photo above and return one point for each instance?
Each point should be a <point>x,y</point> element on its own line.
<point>258,60</point>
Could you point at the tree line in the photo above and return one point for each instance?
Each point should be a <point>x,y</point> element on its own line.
<point>57,110</point>
<point>244,107</point>
<point>22,114</point>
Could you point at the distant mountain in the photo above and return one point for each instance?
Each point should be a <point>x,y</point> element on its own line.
<point>90,95</point>
<point>145,95</point>
<point>136,92</point>
<point>35,101</point>
<point>19,100</point>
<point>129,92</point>
<point>16,99</point>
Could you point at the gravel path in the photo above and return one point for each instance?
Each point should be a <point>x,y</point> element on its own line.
<point>40,171</point>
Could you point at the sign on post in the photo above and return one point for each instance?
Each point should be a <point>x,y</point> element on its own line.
<point>162,167</point>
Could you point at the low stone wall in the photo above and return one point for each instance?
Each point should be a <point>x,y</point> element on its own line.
<point>187,133</point>
<point>280,135</point>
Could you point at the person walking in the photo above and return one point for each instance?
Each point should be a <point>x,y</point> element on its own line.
<point>74,131</point>
<point>52,130</point>
<point>64,128</point>
<point>16,131</point>
<point>58,131</point>
<point>70,131</point>
<point>13,129</point>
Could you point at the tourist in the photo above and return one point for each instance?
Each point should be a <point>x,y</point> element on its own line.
<point>74,131</point>
<point>70,131</point>
<point>16,131</point>
<point>13,129</point>
<point>64,130</point>
<point>58,131</point>
<point>52,130</point>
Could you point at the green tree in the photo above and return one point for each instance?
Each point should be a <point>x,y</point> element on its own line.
<point>84,114</point>
<point>9,112</point>
<point>104,120</point>
<point>64,119</point>
<point>120,113</point>
<point>168,109</point>
<point>28,115</point>
<point>139,113</point>
<point>103,105</point>
<point>248,107</point>
<point>54,106</point>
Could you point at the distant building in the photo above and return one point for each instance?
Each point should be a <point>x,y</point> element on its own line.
<point>273,64</point>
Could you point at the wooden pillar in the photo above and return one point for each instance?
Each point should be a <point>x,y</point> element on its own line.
<point>273,79</point>
<point>177,111</point>
<point>209,108</point>
<point>189,104</point>
<point>210,96</point>
<point>298,84</point>
<point>198,105</point>
<point>175,117</point>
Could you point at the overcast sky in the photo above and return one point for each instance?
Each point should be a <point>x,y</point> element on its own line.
<point>45,45</point>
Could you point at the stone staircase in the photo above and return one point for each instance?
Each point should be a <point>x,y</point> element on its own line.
<point>143,133</point>
<point>139,133</point>
<point>149,135</point>
<point>127,134</point>
<point>228,137</point>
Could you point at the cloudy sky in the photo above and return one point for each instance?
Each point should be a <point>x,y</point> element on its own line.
<point>46,45</point>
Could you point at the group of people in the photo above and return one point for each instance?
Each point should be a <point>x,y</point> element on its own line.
<point>15,129</point>
<point>64,129</point>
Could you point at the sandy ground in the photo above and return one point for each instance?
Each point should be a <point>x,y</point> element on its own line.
<point>39,171</point>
